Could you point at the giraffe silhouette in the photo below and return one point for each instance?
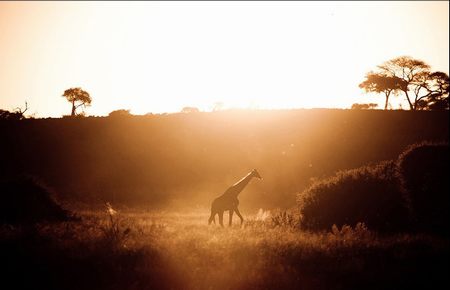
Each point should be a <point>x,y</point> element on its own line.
<point>229,201</point>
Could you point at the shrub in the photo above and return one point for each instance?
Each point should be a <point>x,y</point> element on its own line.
<point>120,113</point>
<point>285,219</point>
<point>369,106</point>
<point>369,194</point>
<point>7,115</point>
<point>423,172</point>
<point>24,200</point>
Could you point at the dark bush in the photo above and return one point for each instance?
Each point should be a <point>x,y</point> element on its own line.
<point>423,171</point>
<point>370,194</point>
<point>24,200</point>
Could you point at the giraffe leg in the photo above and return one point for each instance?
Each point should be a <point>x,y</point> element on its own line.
<point>239,215</point>
<point>212,218</point>
<point>221,218</point>
<point>231,217</point>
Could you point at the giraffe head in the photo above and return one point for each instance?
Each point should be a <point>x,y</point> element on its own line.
<point>255,173</point>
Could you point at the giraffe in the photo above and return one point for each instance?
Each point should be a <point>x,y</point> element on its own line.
<point>228,200</point>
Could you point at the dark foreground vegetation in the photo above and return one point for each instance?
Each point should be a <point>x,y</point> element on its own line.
<point>408,194</point>
<point>142,250</point>
<point>26,201</point>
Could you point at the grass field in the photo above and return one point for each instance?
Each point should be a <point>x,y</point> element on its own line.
<point>178,250</point>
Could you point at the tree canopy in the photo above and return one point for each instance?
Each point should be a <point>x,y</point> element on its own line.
<point>423,89</point>
<point>382,83</point>
<point>78,98</point>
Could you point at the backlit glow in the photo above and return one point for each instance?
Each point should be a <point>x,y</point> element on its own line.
<point>163,56</point>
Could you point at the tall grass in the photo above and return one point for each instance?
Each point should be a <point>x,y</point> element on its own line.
<point>179,251</point>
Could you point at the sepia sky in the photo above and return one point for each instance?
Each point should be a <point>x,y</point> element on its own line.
<point>162,56</point>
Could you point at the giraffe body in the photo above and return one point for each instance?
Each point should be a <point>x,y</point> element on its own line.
<point>228,201</point>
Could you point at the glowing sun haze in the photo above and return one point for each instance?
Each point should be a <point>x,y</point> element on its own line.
<point>163,56</point>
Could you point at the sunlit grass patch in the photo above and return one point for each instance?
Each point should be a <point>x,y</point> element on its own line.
<point>163,250</point>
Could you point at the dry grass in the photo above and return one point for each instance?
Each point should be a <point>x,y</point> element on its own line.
<point>162,250</point>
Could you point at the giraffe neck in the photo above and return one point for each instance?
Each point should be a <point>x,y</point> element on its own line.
<point>241,184</point>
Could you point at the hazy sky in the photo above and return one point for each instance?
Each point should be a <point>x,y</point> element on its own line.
<point>163,56</point>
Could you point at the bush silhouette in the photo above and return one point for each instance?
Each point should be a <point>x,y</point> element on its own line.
<point>24,200</point>
<point>411,193</point>
<point>120,113</point>
<point>369,194</point>
<point>423,171</point>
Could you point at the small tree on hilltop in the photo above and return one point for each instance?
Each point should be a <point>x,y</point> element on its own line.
<point>78,98</point>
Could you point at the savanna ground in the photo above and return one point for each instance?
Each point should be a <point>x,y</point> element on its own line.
<point>138,249</point>
<point>345,166</point>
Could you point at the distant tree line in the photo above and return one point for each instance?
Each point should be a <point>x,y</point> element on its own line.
<point>422,88</point>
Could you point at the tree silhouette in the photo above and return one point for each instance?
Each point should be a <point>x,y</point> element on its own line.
<point>17,114</point>
<point>423,89</point>
<point>78,98</point>
<point>382,83</point>
<point>412,71</point>
<point>436,85</point>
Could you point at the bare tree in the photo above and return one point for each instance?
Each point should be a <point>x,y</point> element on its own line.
<point>19,112</point>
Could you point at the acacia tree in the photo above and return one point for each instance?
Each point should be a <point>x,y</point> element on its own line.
<point>423,89</point>
<point>412,71</point>
<point>382,83</point>
<point>436,86</point>
<point>78,98</point>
